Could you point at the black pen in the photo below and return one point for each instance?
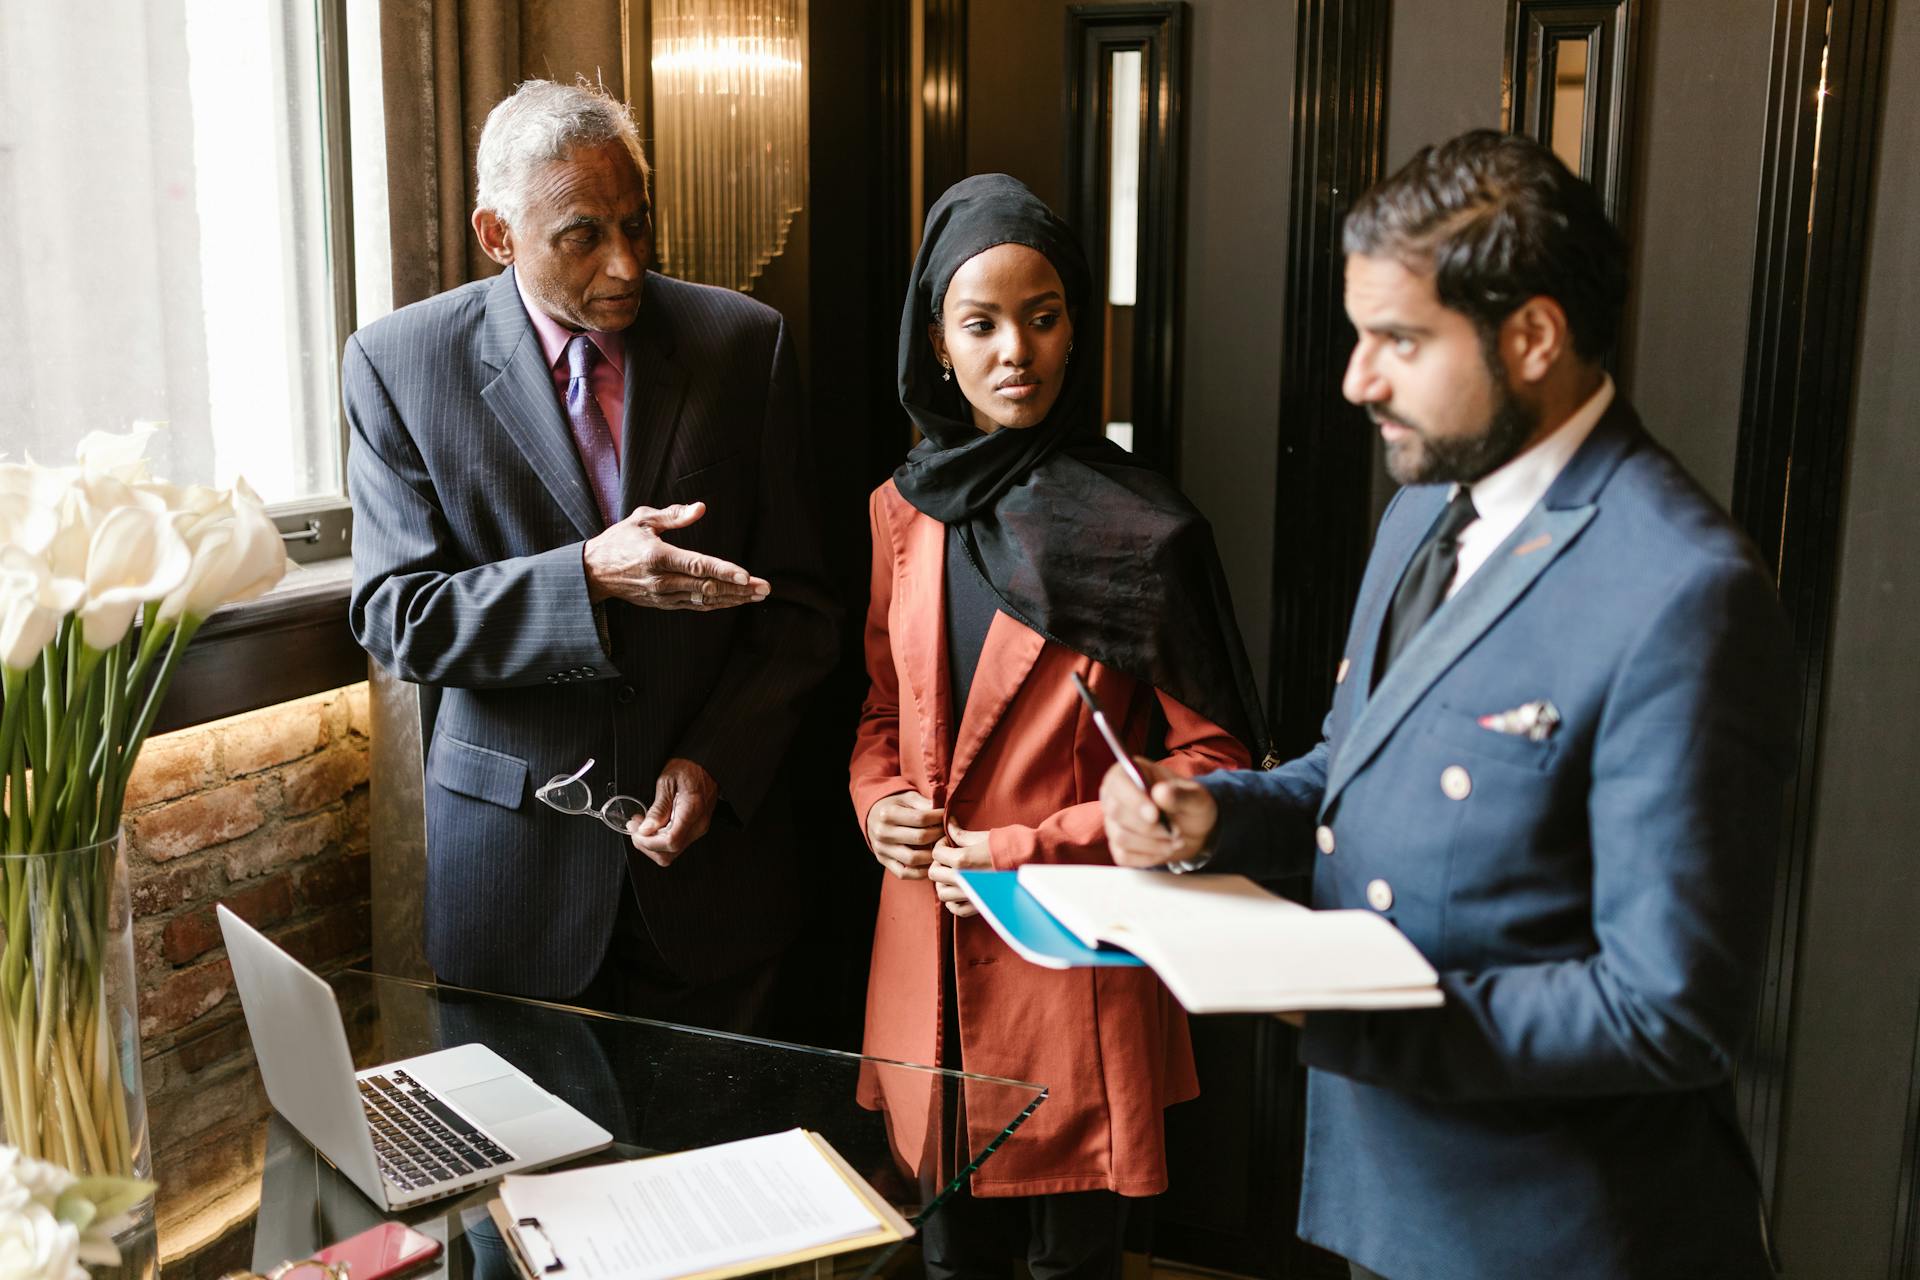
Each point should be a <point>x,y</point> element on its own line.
<point>1119,752</point>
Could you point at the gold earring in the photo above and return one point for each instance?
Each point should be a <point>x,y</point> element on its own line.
<point>947,375</point>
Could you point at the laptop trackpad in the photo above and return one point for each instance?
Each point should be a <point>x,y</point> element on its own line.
<point>499,1101</point>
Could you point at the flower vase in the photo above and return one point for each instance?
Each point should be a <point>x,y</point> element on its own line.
<point>70,1088</point>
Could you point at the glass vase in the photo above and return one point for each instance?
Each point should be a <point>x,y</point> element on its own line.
<point>70,1088</point>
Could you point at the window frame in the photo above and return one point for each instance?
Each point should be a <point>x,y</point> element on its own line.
<point>320,528</point>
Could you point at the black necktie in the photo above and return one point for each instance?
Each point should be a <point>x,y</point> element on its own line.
<point>1428,575</point>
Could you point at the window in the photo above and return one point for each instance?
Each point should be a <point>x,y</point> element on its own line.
<point>176,214</point>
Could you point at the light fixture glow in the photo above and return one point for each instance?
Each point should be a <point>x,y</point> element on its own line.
<point>730,125</point>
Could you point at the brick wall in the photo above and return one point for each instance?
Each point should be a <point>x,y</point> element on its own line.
<point>266,812</point>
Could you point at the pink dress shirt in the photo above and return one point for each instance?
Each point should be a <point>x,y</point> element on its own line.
<point>609,379</point>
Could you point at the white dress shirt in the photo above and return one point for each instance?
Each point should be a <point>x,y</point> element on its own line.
<point>1503,497</point>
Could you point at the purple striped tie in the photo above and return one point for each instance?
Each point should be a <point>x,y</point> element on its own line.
<point>590,431</point>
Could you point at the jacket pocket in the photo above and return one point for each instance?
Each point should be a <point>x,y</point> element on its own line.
<point>1459,729</point>
<point>708,469</point>
<point>479,772</point>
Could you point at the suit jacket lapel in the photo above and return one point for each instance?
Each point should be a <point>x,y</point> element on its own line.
<point>920,639</point>
<point>1454,629</point>
<point>1010,650</point>
<point>1529,551</point>
<point>656,384</point>
<point>522,398</point>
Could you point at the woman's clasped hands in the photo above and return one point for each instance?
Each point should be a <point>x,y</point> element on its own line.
<point>911,839</point>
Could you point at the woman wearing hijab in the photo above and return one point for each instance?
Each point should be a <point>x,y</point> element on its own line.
<point>1014,548</point>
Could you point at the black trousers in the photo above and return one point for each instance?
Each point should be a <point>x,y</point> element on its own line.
<point>634,980</point>
<point>1076,1235</point>
<point>1073,1236</point>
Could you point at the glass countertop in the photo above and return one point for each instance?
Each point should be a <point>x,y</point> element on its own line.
<point>656,1087</point>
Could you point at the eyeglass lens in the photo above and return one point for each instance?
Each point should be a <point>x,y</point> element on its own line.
<point>572,793</point>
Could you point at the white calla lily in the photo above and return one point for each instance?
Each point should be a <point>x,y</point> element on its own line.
<point>263,560</point>
<point>237,552</point>
<point>134,557</point>
<point>32,604</point>
<point>24,522</point>
<point>122,456</point>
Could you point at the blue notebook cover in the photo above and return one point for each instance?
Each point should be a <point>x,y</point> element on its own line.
<point>1029,929</point>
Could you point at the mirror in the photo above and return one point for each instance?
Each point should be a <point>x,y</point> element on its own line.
<point>1123,244</point>
<point>1568,112</point>
<point>1123,93</point>
<point>1568,82</point>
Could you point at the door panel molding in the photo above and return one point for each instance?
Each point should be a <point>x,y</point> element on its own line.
<point>1795,423</point>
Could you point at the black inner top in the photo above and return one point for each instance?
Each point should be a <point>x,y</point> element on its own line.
<point>971,605</point>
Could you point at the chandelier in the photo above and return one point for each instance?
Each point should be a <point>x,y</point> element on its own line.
<point>730,134</point>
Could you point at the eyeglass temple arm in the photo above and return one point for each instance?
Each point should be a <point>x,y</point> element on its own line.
<point>575,776</point>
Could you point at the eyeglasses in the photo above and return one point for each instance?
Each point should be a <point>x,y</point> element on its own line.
<point>570,793</point>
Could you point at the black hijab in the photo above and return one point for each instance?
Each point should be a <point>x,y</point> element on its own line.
<point>1077,539</point>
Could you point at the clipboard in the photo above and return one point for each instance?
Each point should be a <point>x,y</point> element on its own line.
<point>535,1259</point>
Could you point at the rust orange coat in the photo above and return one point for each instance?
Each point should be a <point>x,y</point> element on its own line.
<point>1110,1044</point>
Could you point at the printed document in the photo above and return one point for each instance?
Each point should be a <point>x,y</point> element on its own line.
<point>693,1212</point>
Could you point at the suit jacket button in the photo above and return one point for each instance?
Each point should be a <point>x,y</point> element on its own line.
<point>587,671</point>
<point>1456,783</point>
<point>1379,895</point>
<point>552,679</point>
<point>1324,838</point>
<point>625,695</point>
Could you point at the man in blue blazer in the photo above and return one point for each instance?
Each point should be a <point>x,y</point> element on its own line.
<point>560,477</point>
<point>1554,760</point>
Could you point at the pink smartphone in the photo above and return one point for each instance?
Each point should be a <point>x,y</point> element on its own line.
<point>378,1252</point>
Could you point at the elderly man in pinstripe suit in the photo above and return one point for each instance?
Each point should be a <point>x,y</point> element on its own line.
<point>559,476</point>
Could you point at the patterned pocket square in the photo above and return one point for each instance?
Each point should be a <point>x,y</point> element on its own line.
<point>1534,721</point>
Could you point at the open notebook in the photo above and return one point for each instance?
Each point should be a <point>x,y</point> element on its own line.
<point>1221,943</point>
<point>725,1210</point>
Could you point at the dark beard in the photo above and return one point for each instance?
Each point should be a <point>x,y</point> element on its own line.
<point>1465,459</point>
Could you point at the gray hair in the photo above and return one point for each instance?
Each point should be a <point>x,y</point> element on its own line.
<point>539,123</point>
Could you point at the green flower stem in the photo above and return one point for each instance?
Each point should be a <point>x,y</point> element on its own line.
<point>51,964</point>
<point>13,963</point>
<point>16,834</point>
<point>36,744</point>
<point>12,1100</point>
<point>87,1134</point>
<point>23,1064</point>
<point>89,944</point>
<point>50,813</point>
<point>75,805</point>
<point>183,634</point>
<point>113,715</point>
<point>154,635</point>
<point>13,688</point>
<point>62,1112</point>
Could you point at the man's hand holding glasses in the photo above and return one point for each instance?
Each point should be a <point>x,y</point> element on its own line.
<point>684,797</point>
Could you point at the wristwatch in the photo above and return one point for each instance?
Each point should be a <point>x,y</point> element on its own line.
<point>1184,865</point>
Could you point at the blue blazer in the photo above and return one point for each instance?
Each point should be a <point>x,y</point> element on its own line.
<point>1595,901</point>
<point>470,509</point>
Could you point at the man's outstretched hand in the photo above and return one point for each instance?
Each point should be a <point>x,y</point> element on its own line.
<point>632,561</point>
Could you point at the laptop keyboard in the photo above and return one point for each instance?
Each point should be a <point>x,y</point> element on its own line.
<point>419,1139</point>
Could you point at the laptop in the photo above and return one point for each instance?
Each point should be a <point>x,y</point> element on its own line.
<point>405,1133</point>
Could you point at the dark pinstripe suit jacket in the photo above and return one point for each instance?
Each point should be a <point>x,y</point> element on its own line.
<point>470,508</point>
